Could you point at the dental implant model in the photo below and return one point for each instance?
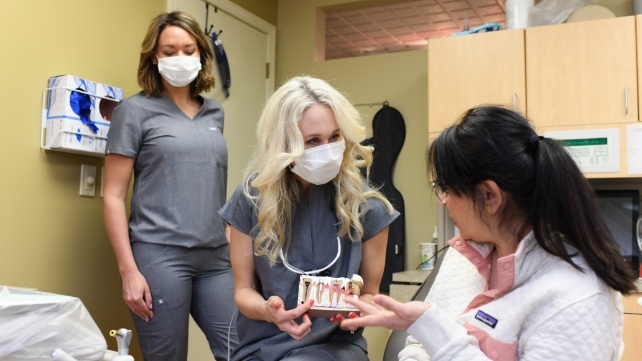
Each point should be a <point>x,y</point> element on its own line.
<point>304,287</point>
<point>356,284</point>
<point>329,294</point>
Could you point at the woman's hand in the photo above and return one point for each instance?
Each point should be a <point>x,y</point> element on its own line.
<point>338,320</point>
<point>251,303</point>
<point>137,295</point>
<point>284,320</point>
<point>386,312</point>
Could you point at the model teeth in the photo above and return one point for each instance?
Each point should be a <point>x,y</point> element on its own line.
<point>329,292</point>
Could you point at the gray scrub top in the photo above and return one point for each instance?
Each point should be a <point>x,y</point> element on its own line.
<point>180,173</point>
<point>313,246</point>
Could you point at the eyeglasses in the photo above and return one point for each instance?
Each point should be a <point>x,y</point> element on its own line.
<point>440,191</point>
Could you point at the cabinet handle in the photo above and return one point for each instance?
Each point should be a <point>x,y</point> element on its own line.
<point>626,99</point>
<point>514,101</point>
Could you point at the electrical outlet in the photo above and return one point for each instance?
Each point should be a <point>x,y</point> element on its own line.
<point>87,180</point>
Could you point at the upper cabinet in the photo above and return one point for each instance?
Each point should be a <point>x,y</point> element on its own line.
<point>582,73</point>
<point>465,71</point>
<point>638,28</point>
<point>577,82</point>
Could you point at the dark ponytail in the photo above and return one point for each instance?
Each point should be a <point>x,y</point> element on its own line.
<point>564,203</point>
<point>545,188</point>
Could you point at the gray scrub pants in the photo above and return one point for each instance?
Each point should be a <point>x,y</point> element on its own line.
<point>331,351</point>
<point>184,281</point>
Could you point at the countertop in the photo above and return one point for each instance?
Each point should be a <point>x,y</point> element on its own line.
<point>411,276</point>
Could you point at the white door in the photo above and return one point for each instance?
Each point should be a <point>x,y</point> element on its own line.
<point>249,43</point>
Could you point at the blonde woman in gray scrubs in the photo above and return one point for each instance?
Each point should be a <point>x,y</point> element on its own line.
<point>304,208</point>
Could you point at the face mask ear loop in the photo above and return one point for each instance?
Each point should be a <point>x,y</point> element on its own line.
<point>310,273</point>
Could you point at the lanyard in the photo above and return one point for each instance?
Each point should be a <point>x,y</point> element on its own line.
<point>309,273</point>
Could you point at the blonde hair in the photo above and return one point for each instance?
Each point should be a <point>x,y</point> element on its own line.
<point>280,142</point>
<point>148,76</point>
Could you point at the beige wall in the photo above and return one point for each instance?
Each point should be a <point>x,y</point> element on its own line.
<point>399,78</point>
<point>50,238</point>
<point>265,9</point>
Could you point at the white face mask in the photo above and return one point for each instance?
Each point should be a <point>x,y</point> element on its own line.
<point>321,164</point>
<point>179,70</point>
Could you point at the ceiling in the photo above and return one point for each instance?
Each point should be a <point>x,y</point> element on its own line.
<point>404,26</point>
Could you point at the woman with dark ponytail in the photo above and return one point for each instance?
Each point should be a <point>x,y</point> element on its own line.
<point>534,274</point>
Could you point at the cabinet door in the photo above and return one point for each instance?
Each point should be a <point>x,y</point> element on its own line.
<point>630,304</point>
<point>638,22</point>
<point>582,73</point>
<point>632,335</point>
<point>469,70</point>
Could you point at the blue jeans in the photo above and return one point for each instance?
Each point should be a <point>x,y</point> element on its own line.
<point>184,281</point>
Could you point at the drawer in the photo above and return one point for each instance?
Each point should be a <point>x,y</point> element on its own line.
<point>630,303</point>
<point>632,337</point>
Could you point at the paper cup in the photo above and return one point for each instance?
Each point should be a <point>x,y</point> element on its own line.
<point>427,251</point>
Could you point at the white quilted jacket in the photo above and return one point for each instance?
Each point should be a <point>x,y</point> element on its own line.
<point>543,309</point>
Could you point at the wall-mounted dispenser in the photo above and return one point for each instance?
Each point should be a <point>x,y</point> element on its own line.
<point>76,114</point>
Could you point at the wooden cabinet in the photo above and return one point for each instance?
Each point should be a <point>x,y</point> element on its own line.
<point>465,71</point>
<point>632,328</point>
<point>638,36</point>
<point>575,76</point>
<point>582,73</point>
<point>583,76</point>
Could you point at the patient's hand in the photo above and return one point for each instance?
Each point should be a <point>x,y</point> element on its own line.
<point>386,312</point>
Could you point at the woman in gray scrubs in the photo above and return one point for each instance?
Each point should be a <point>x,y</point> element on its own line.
<point>173,255</point>
<point>304,208</point>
